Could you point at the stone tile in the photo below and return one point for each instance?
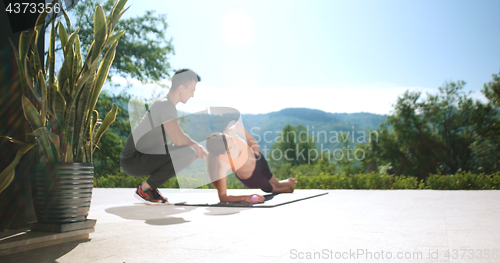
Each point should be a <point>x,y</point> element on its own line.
<point>390,220</point>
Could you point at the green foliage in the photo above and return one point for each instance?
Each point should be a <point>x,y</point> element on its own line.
<point>463,181</point>
<point>107,156</point>
<point>294,146</point>
<point>125,181</point>
<point>404,182</point>
<point>61,111</point>
<point>143,52</point>
<point>491,91</point>
<point>447,133</point>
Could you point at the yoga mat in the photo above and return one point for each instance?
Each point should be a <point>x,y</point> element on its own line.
<point>271,200</point>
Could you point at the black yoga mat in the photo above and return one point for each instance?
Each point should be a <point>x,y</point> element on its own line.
<point>271,200</point>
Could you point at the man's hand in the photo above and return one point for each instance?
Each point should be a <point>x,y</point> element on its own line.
<point>200,151</point>
<point>254,145</point>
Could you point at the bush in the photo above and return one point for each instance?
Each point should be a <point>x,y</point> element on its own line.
<point>126,181</point>
<point>464,181</point>
<point>311,179</point>
<point>404,182</point>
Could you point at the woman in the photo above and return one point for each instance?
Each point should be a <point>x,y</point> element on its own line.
<point>228,152</point>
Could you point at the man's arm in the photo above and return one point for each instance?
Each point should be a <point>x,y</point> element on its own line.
<point>179,138</point>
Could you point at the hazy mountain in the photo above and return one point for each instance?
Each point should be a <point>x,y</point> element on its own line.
<point>324,125</point>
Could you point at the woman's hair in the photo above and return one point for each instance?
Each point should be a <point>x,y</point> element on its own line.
<point>216,146</point>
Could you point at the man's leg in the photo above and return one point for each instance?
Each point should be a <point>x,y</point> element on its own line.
<point>179,159</point>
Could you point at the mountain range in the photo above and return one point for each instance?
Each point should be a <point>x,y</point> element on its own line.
<point>324,125</point>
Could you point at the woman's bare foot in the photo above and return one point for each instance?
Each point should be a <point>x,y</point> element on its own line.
<point>290,181</point>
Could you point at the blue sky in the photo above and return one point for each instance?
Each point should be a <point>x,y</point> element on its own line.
<point>337,56</point>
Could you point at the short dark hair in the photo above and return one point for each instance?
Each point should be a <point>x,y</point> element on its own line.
<point>182,76</point>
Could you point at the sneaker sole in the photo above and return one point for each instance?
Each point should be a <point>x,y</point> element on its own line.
<point>148,202</point>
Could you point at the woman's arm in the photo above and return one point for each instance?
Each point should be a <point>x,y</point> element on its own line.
<point>221,186</point>
<point>249,138</point>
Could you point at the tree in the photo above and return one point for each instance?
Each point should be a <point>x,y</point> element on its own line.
<point>294,146</point>
<point>413,149</point>
<point>491,91</point>
<point>143,51</point>
<point>487,148</point>
<point>107,157</point>
<point>446,133</point>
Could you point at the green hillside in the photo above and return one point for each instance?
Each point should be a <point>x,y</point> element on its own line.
<point>326,126</point>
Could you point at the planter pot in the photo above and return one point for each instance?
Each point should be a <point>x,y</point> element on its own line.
<point>62,192</point>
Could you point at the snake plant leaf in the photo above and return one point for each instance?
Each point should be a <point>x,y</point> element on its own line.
<point>108,120</point>
<point>69,70</point>
<point>13,140</point>
<point>102,74</point>
<point>40,20</point>
<point>70,123</point>
<point>78,56</point>
<point>84,155</point>
<point>66,17</point>
<point>69,154</point>
<point>116,16</point>
<point>71,39</point>
<point>117,8</point>
<point>82,111</point>
<point>83,80</point>
<point>31,114</point>
<point>32,69</point>
<point>36,64</point>
<point>59,105</point>
<point>25,41</point>
<point>45,138</point>
<point>87,64</point>
<point>55,140</point>
<point>7,175</point>
<point>20,68</point>
<point>100,31</point>
<point>51,57</point>
<point>43,135</point>
<point>50,97</point>
<point>114,38</point>
<point>63,36</point>
<point>95,116</point>
<point>63,77</point>
<point>74,75</point>
<point>43,90</point>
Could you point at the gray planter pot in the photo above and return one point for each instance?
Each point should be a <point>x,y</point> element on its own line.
<point>62,192</point>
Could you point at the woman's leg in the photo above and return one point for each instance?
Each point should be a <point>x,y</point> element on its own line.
<point>285,186</point>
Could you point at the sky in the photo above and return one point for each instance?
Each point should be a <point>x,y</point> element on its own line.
<point>337,56</point>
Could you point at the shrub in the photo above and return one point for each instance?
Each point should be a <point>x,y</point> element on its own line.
<point>307,179</point>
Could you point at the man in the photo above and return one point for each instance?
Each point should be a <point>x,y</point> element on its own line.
<point>146,152</point>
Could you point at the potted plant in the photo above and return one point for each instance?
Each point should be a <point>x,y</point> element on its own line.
<point>63,124</point>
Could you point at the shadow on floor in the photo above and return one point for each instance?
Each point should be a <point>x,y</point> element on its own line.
<point>153,215</point>
<point>42,255</point>
<point>166,221</point>
<point>222,211</point>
